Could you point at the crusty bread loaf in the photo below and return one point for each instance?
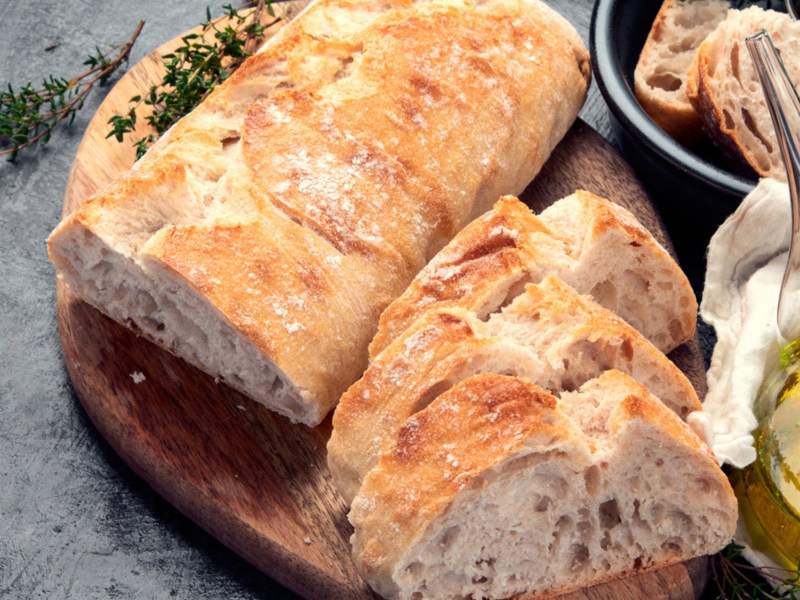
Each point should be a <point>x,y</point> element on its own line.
<point>594,245</point>
<point>549,334</point>
<point>724,88</point>
<point>659,79</point>
<point>262,236</point>
<point>497,488</point>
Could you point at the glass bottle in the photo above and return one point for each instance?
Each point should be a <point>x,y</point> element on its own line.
<point>769,489</point>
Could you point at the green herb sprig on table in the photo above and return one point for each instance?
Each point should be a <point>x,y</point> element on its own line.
<point>735,579</point>
<point>29,116</point>
<point>193,70</point>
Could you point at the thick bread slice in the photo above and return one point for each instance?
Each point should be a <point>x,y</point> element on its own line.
<point>262,236</point>
<point>498,489</point>
<point>579,339</point>
<point>725,90</point>
<point>549,334</point>
<point>443,348</point>
<point>594,245</point>
<point>659,79</point>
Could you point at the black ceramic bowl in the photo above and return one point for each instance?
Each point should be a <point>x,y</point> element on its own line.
<point>694,186</point>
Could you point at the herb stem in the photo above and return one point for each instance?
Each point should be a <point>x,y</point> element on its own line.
<point>250,42</point>
<point>28,117</point>
<point>192,71</point>
<point>735,579</point>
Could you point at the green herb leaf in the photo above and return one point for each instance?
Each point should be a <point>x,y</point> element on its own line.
<point>193,70</point>
<point>28,117</point>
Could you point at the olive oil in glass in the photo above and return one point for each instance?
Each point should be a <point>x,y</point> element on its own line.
<point>769,489</point>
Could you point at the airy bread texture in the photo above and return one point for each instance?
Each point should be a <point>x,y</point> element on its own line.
<point>263,235</point>
<point>661,73</point>
<point>594,245</point>
<point>548,334</point>
<point>497,488</point>
<point>724,88</point>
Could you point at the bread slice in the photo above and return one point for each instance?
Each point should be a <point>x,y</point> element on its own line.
<point>659,79</point>
<point>724,88</point>
<point>497,489</point>
<point>550,335</point>
<point>263,235</point>
<point>594,245</point>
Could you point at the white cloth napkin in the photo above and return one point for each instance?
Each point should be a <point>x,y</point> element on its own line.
<point>746,259</point>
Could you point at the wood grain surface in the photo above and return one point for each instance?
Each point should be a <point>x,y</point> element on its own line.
<point>253,480</point>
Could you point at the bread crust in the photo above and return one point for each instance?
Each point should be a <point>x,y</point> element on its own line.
<point>417,478</point>
<point>487,257</point>
<point>550,334</point>
<point>454,452</point>
<point>362,132</point>
<point>724,88</point>
<point>585,240</point>
<point>667,55</point>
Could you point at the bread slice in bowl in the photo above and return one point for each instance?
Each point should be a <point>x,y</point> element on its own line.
<point>724,88</point>
<point>661,73</point>
<point>594,245</point>
<point>497,489</point>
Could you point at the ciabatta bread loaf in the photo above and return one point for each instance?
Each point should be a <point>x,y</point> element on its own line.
<point>660,76</point>
<point>549,334</point>
<point>592,244</point>
<point>263,235</point>
<point>724,88</point>
<point>497,488</point>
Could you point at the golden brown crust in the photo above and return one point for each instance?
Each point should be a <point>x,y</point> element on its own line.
<point>713,121</point>
<point>442,449</point>
<point>468,434</point>
<point>283,270</point>
<point>492,258</point>
<point>577,339</point>
<point>427,359</point>
<point>486,257</point>
<point>345,187</point>
<point>377,128</point>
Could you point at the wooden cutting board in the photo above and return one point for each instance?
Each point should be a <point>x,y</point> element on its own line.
<point>253,480</point>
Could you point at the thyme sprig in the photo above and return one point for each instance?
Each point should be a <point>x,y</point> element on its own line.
<point>736,579</point>
<point>193,70</point>
<point>29,116</point>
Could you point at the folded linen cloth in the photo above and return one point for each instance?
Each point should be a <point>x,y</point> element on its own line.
<point>746,259</point>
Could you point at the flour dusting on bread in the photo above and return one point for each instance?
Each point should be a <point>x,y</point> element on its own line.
<point>513,436</point>
<point>498,488</point>
<point>262,236</point>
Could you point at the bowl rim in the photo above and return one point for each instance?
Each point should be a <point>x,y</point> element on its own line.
<point>621,101</point>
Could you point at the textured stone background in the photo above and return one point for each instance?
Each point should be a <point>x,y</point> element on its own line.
<point>75,522</point>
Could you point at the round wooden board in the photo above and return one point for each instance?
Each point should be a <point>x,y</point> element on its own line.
<point>253,480</point>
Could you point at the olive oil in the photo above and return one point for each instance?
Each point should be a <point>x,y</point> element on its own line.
<point>769,489</point>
